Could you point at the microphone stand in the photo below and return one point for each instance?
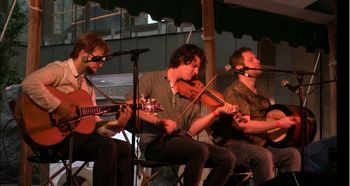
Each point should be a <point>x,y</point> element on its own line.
<point>303,126</point>
<point>299,72</point>
<point>134,58</point>
<point>303,115</point>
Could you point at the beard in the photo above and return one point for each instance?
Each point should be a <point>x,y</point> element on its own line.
<point>254,73</point>
<point>89,71</point>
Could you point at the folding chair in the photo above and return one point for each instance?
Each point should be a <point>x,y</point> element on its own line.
<point>241,176</point>
<point>39,158</point>
<point>143,168</point>
<point>148,175</point>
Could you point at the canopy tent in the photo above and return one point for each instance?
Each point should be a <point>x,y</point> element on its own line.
<point>234,16</point>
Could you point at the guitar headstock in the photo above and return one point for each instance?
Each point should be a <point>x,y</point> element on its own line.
<point>150,106</point>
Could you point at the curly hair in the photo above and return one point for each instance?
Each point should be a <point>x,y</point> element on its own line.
<point>185,54</point>
<point>89,42</point>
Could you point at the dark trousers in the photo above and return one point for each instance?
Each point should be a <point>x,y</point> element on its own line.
<point>111,157</point>
<point>195,155</point>
<point>262,160</point>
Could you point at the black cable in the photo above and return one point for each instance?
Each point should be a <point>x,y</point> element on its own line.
<point>3,140</point>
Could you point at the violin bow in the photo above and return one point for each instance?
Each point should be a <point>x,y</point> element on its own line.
<point>196,98</point>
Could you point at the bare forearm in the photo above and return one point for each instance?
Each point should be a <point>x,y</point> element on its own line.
<point>203,123</point>
<point>258,127</point>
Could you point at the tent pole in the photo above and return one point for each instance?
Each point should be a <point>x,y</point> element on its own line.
<point>33,53</point>
<point>208,36</point>
<point>332,62</point>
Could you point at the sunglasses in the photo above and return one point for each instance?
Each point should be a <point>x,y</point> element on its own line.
<point>98,59</point>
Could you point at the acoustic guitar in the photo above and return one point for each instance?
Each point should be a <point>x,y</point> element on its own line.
<point>40,127</point>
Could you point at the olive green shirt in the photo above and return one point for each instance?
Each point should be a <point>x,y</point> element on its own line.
<point>156,85</point>
<point>254,105</point>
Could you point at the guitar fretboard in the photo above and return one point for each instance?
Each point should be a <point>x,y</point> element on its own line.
<point>97,110</point>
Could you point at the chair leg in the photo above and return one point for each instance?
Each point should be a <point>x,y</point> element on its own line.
<point>49,179</point>
<point>74,176</point>
<point>178,178</point>
<point>147,178</point>
<point>240,179</point>
<point>80,168</point>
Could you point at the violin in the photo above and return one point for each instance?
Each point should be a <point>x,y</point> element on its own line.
<point>191,89</point>
<point>213,99</point>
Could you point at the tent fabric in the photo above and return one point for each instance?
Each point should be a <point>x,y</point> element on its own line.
<point>229,18</point>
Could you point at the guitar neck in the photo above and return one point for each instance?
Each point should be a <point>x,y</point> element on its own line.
<point>97,110</point>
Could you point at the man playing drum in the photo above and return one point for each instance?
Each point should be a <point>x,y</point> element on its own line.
<point>247,138</point>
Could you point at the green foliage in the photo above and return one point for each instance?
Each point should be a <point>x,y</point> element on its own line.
<point>9,74</point>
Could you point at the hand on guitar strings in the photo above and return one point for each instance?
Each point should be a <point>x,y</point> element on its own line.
<point>111,128</point>
<point>66,111</point>
<point>122,117</point>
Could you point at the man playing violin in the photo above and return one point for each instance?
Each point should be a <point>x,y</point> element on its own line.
<point>247,139</point>
<point>111,157</point>
<point>167,137</point>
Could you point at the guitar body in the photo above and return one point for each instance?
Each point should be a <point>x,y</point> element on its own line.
<point>36,123</point>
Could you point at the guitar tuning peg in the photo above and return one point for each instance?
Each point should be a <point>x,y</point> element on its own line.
<point>142,98</point>
<point>153,101</point>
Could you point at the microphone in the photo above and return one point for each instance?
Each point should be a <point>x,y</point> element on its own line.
<point>139,51</point>
<point>286,84</point>
<point>229,68</point>
<point>100,58</point>
<point>119,53</point>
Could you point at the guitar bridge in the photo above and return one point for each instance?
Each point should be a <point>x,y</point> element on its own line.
<point>67,126</point>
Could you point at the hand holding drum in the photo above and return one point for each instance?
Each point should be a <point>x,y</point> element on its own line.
<point>288,126</point>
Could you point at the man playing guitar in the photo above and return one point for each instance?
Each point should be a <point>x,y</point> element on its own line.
<point>48,87</point>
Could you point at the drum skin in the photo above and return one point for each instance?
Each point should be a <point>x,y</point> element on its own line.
<point>293,136</point>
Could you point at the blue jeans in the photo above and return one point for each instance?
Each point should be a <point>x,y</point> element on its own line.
<point>318,155</point>
<point>263,160</point>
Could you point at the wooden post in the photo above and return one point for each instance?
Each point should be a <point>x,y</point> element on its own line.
<point>208,36</point>
<point>332,62</point>
<point>33,52</point>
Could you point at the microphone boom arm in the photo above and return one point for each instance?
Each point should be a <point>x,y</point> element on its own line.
<point>298,72</point>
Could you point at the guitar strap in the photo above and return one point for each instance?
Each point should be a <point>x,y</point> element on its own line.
<point>99,90</point>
